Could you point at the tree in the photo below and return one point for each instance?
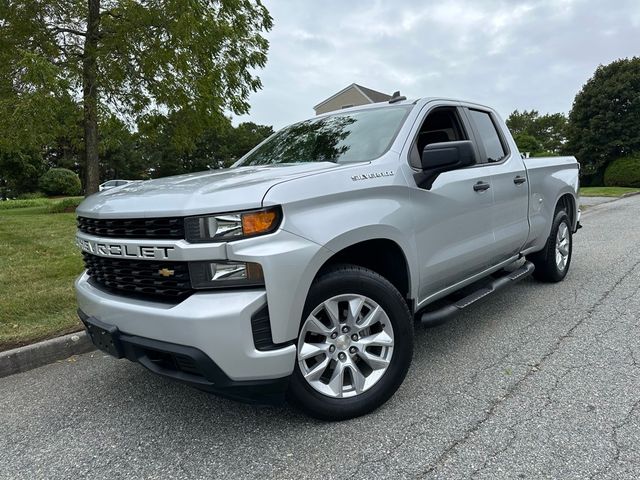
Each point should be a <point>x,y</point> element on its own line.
<point>527,143</point>
<point>604,123</point>
<point>120,153</point>
<point>19,171</point>
<point>244,137</point>
<point>548,131</point>
<point>168,147</point>
<point>131,58</point>
<point>224,145</point>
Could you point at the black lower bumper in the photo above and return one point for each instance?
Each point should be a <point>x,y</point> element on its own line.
<point>184,364</point>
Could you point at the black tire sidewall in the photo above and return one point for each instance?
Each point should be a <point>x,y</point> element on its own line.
<point>357,280</point>
<point>546,266</point>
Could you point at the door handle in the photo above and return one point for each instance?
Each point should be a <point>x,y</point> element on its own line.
<point>519,180</point>
<point>481,186</point>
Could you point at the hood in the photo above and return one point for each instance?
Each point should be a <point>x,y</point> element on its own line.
<point>213,191</point>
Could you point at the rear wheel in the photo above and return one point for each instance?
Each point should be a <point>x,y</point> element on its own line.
<point>552,262</point>
<point>355,344</point>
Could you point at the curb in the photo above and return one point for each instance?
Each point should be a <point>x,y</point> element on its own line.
<point>631,194</point>
<point>23,359</point>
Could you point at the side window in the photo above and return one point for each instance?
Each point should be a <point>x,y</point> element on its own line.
<point>489,136</point>
<point>441,125</point>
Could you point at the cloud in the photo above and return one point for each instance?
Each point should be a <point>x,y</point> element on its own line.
<point>508,54</point>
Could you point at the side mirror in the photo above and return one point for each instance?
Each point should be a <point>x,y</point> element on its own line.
<point>447,156</point>
<point>443,157</point>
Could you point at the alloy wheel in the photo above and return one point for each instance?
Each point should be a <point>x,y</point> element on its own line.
<point>345,345</point>
<point>562,246</point>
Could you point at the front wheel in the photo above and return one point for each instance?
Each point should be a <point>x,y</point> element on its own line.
<point>355,344</point>
<point>552,262</point>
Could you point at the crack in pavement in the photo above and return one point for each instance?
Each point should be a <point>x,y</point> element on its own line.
<point>512,428</point>
<point>515,387</point>
<point>394,448</point>
<point>614,438</point>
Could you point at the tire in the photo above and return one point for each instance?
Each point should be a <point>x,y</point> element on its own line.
<point>549,268</point>
<point>341,383</point>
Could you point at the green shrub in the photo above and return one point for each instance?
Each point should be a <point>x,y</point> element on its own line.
<point>66,205</point>
<point>60,181</point>
<point>623,172</point>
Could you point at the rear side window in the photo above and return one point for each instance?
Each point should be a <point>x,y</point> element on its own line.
<point>488,136</point>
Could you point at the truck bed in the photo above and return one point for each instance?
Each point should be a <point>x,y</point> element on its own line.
<point>549,179</point>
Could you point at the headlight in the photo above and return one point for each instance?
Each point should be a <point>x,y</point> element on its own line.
<point>232,226</point>
<point>224,274</point>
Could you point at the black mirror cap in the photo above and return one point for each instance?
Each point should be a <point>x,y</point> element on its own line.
<point>445,156</point>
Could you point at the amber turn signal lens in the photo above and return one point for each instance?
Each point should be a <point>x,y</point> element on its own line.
<point>258,222</point>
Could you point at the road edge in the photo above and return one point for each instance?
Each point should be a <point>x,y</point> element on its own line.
<point>605,205</point>
<point>23,359</point>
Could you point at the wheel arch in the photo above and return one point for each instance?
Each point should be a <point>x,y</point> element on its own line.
<point>382,255</point>
<point>568,202</point>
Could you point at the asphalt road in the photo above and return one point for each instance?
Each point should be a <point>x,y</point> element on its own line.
<point>540,381</point>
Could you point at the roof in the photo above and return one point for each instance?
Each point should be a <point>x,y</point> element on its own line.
<point>372,95</point>
<point>411,101</point>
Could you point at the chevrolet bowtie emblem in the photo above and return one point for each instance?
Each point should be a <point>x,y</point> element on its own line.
<point>165,272</point>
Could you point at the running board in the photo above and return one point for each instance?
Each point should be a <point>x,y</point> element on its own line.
<point>440,316</point>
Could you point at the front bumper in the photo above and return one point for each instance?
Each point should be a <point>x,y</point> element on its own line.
<point>182,363</point>
<point>218,324</point>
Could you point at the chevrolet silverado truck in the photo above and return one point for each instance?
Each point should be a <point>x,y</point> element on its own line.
<point>300,271</point>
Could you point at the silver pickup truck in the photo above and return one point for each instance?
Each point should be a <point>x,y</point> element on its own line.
<point>301,270</point>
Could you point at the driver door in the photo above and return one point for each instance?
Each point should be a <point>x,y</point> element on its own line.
<point>452,219</point>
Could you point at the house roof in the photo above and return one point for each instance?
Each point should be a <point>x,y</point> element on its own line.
<point>372,95</point>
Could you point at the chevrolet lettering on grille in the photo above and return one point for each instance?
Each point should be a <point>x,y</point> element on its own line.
<point>108,249</point>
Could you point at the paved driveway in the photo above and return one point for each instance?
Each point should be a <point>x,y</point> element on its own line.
<point>540,381</point>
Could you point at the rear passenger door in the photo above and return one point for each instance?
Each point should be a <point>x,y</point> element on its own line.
<point>509,212</point>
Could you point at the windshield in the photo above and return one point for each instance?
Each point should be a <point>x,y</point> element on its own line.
<point>340,138</point>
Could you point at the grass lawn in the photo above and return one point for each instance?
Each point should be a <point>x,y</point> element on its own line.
<point>606,191</point>
<point>38,264</point>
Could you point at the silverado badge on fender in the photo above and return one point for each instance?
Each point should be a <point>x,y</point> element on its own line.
<point>367,176</point>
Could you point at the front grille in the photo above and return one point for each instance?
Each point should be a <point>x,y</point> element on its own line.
<point>165,228</point>
<point>140,278</point>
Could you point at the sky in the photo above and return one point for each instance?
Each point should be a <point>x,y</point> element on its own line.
<point>518,54</point>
